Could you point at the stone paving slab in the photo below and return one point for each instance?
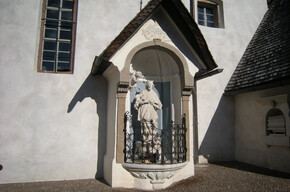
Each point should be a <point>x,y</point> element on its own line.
<point>229,176</point>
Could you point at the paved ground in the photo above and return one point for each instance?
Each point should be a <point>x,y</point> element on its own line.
<point>230,176</point>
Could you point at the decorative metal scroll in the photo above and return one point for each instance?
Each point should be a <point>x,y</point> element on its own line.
<point>167,146</point>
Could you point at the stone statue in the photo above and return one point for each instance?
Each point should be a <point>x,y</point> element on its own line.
<point>147,103</point>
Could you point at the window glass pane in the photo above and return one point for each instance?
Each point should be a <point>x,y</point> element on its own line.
<point>200,22</point>
<point>65,35</point>
<point>209,18</point>
<point>63,66</point>
<point>209,15</point>
<point>53,3</point>
<point>52,14</point>
<point>64,46</point>
<point>209,11</point>
<point>67,4</point>
<point>49,45</point>
<point>200,9</point>
<point>200,16</point>
<point>47,66</point>
<point>50,33</point>
<point>51,23</point>
<point>66,25</point>
<point>210,24</point>
<point>49,56</point>
<point>66,15</point>
<point>64,57</point>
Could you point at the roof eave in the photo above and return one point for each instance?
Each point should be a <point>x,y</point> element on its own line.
<point>259,87</point>
<point>99,66</point>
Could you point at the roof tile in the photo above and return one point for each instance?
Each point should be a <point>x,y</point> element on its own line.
<point>267,57</point>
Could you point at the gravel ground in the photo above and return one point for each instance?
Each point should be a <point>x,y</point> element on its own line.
<point>229,176</point>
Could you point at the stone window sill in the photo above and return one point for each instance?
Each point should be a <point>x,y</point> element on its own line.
<point>277,140</point>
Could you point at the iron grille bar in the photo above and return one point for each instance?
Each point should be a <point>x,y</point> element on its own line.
<point>167,146</point>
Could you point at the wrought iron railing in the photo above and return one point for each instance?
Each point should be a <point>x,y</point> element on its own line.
<point>166,146</point>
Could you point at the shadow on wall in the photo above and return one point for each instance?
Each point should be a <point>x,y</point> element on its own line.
<point>219,141</point>
<point>95,87</point>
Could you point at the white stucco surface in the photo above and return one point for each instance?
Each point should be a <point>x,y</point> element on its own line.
<point>53,125</point>
<point>227,45</point>
<point>251,139</point>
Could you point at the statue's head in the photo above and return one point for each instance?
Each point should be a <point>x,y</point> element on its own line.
<point>138,74</point>
<point>149,85</point>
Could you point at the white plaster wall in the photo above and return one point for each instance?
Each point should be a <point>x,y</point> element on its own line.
<point>53,125</point>
<point>227,45</point>
<point>250,130</point>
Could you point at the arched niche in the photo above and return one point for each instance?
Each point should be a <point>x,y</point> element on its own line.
<point>186,77</point>
<point>275,122</point>
<point>167,67</point>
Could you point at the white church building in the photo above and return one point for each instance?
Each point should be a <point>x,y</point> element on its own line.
<point>139,91</point>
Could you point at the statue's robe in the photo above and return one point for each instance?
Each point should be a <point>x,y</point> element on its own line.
<point>148,112</point>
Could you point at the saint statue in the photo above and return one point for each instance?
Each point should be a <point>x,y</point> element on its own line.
<point>147,103</point>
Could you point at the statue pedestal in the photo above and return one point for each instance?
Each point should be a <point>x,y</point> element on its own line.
<point>157,174</point>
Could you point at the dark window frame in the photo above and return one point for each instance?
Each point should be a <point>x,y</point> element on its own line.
<point>57,40</point>
<point>217,8</point>
<point>208,6</point>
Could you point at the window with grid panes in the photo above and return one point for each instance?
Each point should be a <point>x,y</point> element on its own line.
<point>210,13</point>
<point>205,16</point>
<point>57,36</point>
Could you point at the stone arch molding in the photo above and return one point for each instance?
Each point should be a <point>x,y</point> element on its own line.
<point>186,77</point>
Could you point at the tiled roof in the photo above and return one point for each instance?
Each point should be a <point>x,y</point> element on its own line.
<point>266,61</point>
<point>182,19</point>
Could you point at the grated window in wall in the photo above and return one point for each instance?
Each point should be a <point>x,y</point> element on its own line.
<point>205,16</point>
<point>275,122</point>
<point>58,25</point>
<point>210,13</point>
